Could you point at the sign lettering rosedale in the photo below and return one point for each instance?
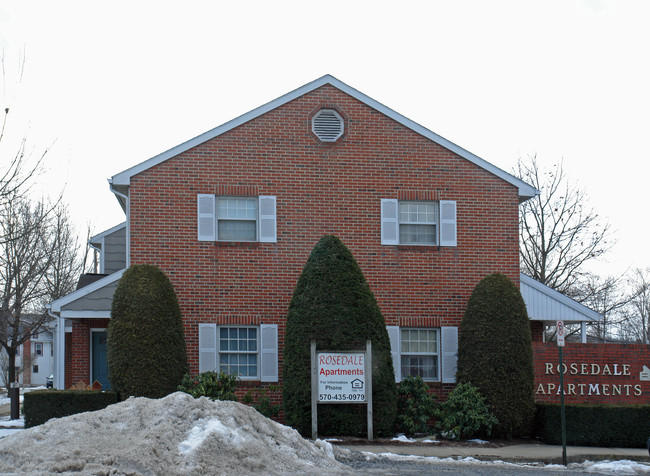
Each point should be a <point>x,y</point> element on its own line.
<point>579,369</point>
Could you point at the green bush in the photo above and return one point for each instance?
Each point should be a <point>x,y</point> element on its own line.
<point>214,385</point>
<point>146,345</point>
<point>40,406</point>
<point>333,305</point>
<point>495,353</point>
<point>610,426</point>
<point>415,406</point>
<point>464,414</point>
<point>261,402</point>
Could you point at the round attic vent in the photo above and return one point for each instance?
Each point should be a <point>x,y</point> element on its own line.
<point>327,124</point>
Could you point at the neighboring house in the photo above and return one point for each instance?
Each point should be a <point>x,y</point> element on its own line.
<point>34,360</point>
<point>232,215</point>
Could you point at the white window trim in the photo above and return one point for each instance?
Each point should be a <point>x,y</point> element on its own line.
<point>445,227</point>
<point>447,352</point>
<point>436,378</point>
<point>36,345</point>
<point>257,352</point>
<point>267,350</point>
<point>265,221</point>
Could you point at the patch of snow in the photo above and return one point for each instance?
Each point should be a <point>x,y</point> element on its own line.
<point>617,467</point>
<point>175,435</point>
<point>477,441</point>
<point>5,422</point>
<point>403,439</point>
<point>8,431</point>
<point>430,441</point>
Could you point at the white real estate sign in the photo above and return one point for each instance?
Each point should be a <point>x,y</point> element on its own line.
<point>341,377</point>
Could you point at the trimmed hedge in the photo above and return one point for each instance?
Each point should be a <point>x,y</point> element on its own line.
<point>146,343</point>
<point>495,353</point>
<point>333,305</point>
<point>610,426</point>
<point>41,406</point>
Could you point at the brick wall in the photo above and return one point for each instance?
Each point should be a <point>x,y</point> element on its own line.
<point>593,373</point>
<point>321,189</point>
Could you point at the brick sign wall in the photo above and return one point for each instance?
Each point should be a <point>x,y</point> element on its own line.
<point>593,373</point>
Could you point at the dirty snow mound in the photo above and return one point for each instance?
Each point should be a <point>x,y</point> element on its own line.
<point>175,435</point>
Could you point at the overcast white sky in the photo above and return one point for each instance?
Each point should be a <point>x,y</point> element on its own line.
<point>113,84</point>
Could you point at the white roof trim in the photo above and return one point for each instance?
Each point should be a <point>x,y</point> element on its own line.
<point>86,314</point>
<point>55,306</point>
<point>546,304</point>
<point>99,236</point>
<point>123,178</point>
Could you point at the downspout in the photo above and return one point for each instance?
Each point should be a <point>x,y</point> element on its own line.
<point>59,350</point>
<point>128,223</point>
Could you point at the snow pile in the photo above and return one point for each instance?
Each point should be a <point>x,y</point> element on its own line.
<point>176,435</point>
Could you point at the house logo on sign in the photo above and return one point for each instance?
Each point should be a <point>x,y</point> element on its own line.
<point>356,383</point>
<point>645,374</point>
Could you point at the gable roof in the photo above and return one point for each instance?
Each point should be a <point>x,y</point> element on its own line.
<point>122,180</point>
<point>546,304</point>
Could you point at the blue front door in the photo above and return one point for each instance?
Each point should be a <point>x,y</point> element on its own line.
<point>99,361</point>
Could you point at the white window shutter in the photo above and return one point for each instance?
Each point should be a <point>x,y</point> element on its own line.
<point>449,344</point>
<point>269,346</point>
<point>207,223</point>
<point>393,336</point>
<point>389,222</point>
<point>268,219</point>
<point>448,223</point>
<point>207,347</point>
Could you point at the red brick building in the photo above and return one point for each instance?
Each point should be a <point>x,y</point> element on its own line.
<point>232,215</point>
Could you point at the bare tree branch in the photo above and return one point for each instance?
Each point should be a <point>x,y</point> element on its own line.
<point>559,232</point>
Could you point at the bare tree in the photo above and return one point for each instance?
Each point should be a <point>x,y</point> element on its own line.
<point>39,259</point>
<point>607,297</point>
<point>559,232</point>
<point>637,312</point>
<point>16,172</point>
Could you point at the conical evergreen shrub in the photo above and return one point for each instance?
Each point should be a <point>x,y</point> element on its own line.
<point>333,304</point>
<point>146,343</point>
<point>495,353</point>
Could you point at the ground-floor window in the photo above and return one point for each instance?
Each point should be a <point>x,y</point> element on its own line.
<point>419,353</point>
<point>238,351</point>
<point>427,352</point>
<point>250,352</point>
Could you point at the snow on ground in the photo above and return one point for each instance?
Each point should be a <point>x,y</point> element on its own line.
<point>622,467</point>
<point>175,435</point>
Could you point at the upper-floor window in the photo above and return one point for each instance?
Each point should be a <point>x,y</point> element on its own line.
<point>38,348</point>
<point>221,218</point>
<point>407,222</point>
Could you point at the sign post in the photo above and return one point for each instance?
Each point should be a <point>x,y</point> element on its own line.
<point>560,345</point>
<point>341,377</point>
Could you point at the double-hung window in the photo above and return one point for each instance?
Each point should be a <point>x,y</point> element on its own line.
<point>228,218</point>
<point>250,352</point>
<point>424,223</point>
<point>427,352</point>
<point>419,353</point>
<point>236,219</point>
<point>38,348</point>
<point>238,351</point>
